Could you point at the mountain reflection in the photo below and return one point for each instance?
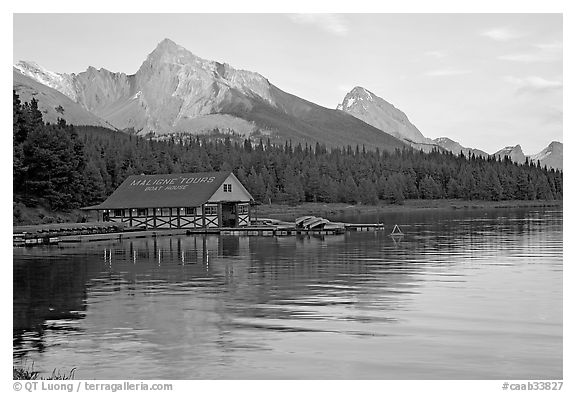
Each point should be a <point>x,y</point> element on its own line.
<point>211,300</point>
<point>241,278</point>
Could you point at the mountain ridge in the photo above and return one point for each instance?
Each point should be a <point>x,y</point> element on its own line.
<point>174,91</point>
<point>457,148</point>
<point>374,110</point>
<point>53,104</point>
<point>551,156</point>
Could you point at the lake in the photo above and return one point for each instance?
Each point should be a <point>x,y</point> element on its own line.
<point>465,294</point>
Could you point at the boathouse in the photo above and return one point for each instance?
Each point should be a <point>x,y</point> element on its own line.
<point>183,200</point>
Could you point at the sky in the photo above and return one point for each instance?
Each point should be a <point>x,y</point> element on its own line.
<point>484,80</point>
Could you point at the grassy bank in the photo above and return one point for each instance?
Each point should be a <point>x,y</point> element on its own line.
<point>28,373</point>
<point>329,209</point>
<point>25,215</point>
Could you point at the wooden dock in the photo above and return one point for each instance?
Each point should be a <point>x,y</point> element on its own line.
<point>33,239</point>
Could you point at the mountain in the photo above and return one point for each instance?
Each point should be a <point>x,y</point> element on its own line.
<point>54,104</point>
<point>177,91</point>
<point>376,111</point>
<point>457,148</point>
<point>515,153</point>
<point>551,156</point>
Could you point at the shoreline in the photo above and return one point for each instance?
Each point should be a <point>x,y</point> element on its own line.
<point>322,209</point>
<point>279,211</point>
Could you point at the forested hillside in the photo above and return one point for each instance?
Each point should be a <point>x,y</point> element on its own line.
<point>65,167</point>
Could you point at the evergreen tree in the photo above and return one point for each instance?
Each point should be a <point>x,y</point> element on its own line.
<point>75,166</point>
<point>348,190</point>
<point>429,189</point>
<point>367,192</point>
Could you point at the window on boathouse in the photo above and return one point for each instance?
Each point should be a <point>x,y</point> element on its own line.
<point>210,210</point>
<point>163,212</point>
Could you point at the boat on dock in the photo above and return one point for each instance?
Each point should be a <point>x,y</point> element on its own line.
<point>301,220</point>
<point>311,222</point>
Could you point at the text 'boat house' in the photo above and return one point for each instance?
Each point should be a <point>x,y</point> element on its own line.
<point>183,200</point>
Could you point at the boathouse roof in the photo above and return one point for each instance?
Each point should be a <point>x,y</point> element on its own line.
<point>169,190</point>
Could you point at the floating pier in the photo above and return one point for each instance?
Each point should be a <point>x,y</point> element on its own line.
<point>262,227</point>
<point>288,231</point>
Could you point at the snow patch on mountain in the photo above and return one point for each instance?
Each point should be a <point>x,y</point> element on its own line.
<point>60,82</point>
<point>515,154</point>
<point>171,85</point>
<point>552,156</point>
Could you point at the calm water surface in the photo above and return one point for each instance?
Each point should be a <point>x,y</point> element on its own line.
<point>464,295</point>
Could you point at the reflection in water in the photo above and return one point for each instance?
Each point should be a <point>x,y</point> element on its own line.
<point>460,296</point>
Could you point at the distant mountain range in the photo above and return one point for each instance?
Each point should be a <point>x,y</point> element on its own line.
<point>54,104</point>
<point>457,148</point>
<point>175,91</point>
<point>551,156</point>
<point>376,111</point>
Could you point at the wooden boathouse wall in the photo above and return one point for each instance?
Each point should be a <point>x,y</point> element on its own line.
<point>175,218</point>
<point>179,201</point>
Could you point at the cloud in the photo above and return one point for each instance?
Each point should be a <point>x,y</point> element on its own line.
<point>550,46</point>
<point>502,34</point>
<point>447,72</point>
<point>525,57</point>
<point>534,84</point>
<point>435,53</point>
<point>544,53</point>
<point>331,23</point>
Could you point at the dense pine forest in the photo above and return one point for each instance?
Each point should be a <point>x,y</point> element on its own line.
<point>65,167</point>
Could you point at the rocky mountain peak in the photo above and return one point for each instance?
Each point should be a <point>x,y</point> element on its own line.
<point>443,139</point>
<point>168,52</point>
<point>552,155</point>
<point>513,150</point>
<point>515,153</point>
<point>187,70</point>
<point>362,92</point>
<point>168,44</point>
<point>374,110</point>
<point>355,97</point>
